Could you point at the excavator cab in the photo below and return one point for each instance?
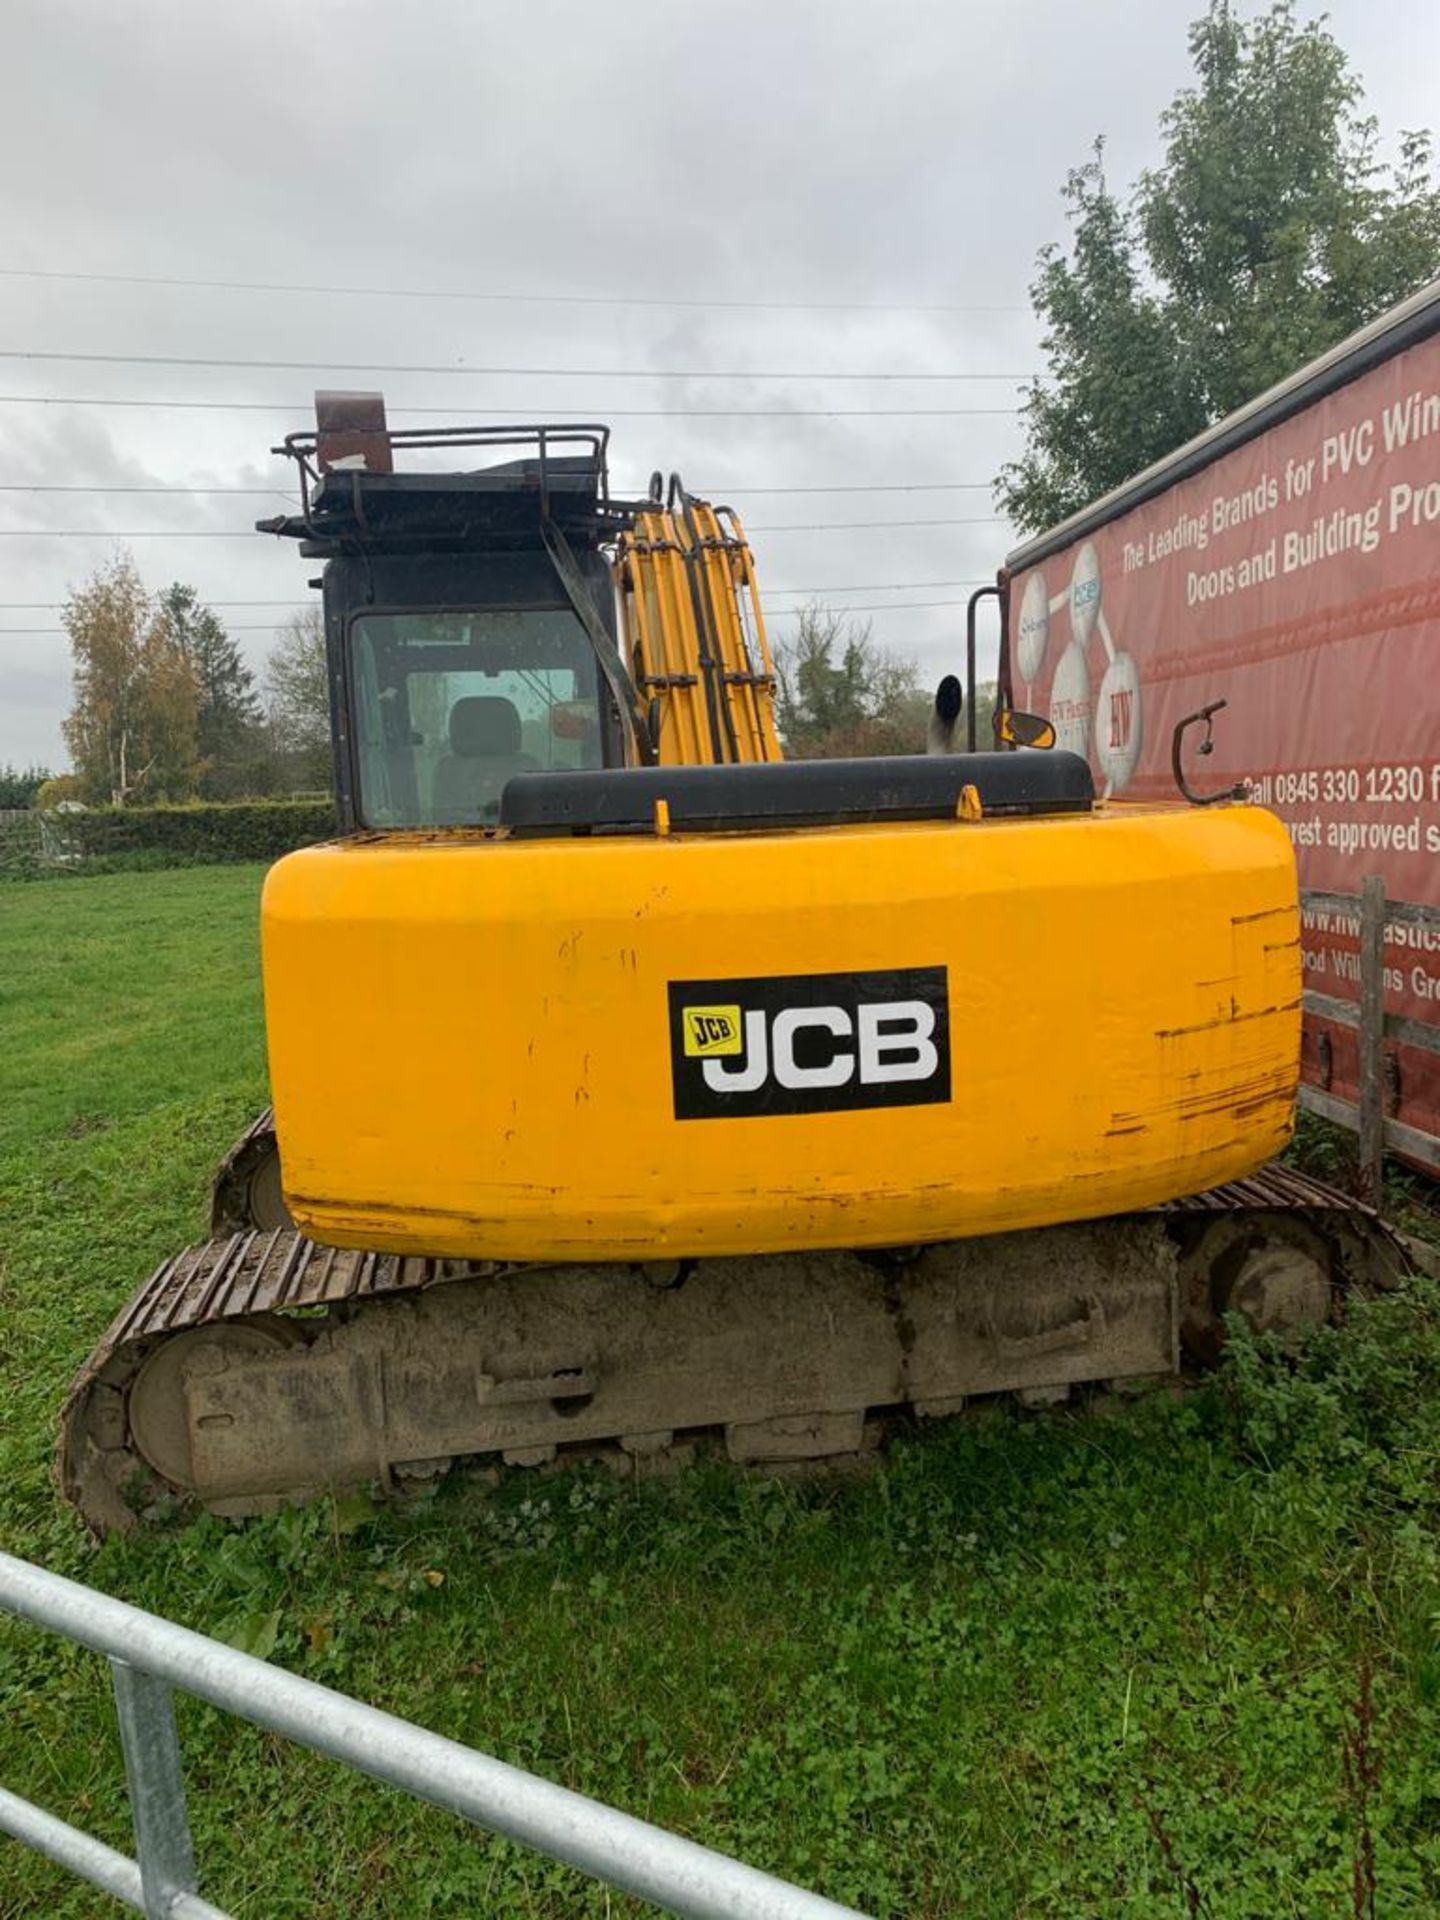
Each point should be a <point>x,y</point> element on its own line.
<point>469,617</point>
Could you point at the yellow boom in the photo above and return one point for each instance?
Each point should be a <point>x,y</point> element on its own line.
<point>696,634</point>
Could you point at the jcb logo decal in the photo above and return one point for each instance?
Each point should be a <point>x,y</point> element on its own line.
<point>712,1030</point>
<point>804,1043</point>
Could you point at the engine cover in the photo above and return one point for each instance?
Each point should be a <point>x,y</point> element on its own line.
<point>644,1045</point>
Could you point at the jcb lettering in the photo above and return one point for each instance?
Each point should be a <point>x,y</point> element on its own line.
<point>721,1078</point>
<point>811,1043</point>
<point>791,1027</point>
<point>897,1042</point>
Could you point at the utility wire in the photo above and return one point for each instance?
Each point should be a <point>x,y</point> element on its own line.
<point>47,486</point>
<point>852,586</point>
<point>623,493</point>
<point>846,526</point>
<point>907,486</point>
<point>127,533</point>
<point>54,606</point>
<point>774,613</point>
<point>870,606</point>
<point>248,533</point>
<point>59,633</point>
<point>506,373</point>
<point>507,297</point>
<point>885,586</point>
<point>531,412</point>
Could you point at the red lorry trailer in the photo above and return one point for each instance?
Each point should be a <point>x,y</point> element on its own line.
<point>1287,561</point>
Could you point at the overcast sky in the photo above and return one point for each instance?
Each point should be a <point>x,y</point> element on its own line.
<point>901,156</point>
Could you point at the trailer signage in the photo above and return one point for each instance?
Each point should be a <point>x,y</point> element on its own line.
<point>1297,574</point>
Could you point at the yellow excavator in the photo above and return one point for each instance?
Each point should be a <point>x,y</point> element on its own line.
<point>633,1085</point>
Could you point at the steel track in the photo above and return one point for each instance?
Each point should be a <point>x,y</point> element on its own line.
<point>279,1278</point>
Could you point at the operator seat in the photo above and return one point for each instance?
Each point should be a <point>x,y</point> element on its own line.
<point>484,752</point>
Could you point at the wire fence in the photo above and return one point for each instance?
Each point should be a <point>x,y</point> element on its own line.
<point>34,838</point>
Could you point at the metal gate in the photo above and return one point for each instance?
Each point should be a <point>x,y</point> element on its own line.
<point>150,1656</point>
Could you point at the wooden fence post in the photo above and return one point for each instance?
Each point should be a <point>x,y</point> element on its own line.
<point>1371,1035</point>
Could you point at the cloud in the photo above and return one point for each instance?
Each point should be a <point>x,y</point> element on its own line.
<point>773,152</point>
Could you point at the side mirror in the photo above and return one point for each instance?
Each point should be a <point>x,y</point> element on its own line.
<point>1205,717</point>
<point>945,716</point>
<point>1015,729</point>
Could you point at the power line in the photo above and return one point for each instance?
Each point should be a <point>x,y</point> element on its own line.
<point>886,586</point>
<point>47,486</point>
<point>849,526</point>
<point>530,412</point>
<point>934,486</point>
<point>851,586</point>
<point>59,633</point>
<point>506,373</point>
<point>126,533</point>
<point>908,486</point>
<point>777,613</point>
<point>247,533</point>
<point>54,606</point>
<point>507,297</point>
<point>872,606</point>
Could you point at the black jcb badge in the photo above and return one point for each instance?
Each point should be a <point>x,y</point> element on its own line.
<point>809,1042</point>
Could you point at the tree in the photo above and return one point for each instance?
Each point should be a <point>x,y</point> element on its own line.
<point>61,789</point>
<point>840,694</point>
<point>19,785</point>
<point>229,736</point>
<point>132,728</point>
<point>1118,396</point>
<point>1268,232</point>
<point>297,701</point>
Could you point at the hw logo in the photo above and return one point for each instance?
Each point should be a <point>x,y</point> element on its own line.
<point>809,1043</point>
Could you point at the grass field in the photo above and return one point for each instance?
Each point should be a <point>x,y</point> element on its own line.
<point>1171,1658</point>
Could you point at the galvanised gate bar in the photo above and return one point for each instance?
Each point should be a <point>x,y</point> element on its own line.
<point>150,1656</point>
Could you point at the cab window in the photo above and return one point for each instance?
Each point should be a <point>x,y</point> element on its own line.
<point>446,707</point>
